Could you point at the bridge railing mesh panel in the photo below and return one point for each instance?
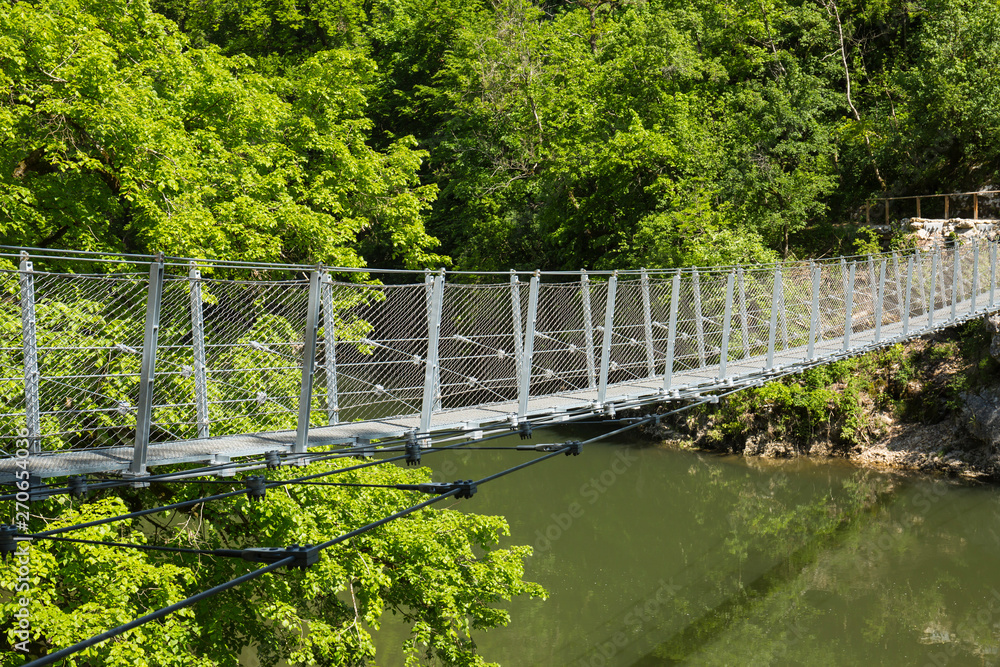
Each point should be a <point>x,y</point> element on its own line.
<point>12,414</point>
<point>478,353</point>
<point>174,416</point>
<point>629,361</point>
<point>559,362</point>
<point>832,304</point>
<point>254,332</point>
<point>381,335</point>
<point>90,336</point>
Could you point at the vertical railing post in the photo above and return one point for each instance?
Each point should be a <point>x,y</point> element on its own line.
<point>899,288</point>
<point>515,307</point>
<point>330,349</point>
<point>588,330</point>
<point>200,360</point>
<point>668,370</point>
<point>975,275</point>
<point>308,363</point>
<point>773,328</point>
<point>921,280</point>
<point>849,307</point>
<point>524,381</point>
<point>879,299</point>
<point>147,373</point>
<point>993,272</point>
<point>699,324</point>
<point>609,320</point>
<point>432,372</point>
<point>906,298</point>
<point>429,292</point>
<point>814,316</point>
<point>744,318</point>
<point>933,294</point>
<point>647,321</point>
<point>872,280</point>
<point>783,316</point>
<point>726,326</point>
<point>956,266</point>
<point>29,343</point>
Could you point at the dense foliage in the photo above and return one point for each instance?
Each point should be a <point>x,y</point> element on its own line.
<point>594,133</point>
<point>440,569</point>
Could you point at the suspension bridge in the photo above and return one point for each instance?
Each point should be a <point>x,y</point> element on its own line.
<point>139,362</point>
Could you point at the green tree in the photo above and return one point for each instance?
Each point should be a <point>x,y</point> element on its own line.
<point>439,569</point>
<point>119,136</point>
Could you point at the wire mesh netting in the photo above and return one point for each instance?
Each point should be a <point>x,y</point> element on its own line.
<point>229,353</point>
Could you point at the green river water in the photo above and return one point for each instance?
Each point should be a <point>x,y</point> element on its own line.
<point>659,557</point>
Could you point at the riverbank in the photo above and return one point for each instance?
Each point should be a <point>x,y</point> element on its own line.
<point>931,405</point>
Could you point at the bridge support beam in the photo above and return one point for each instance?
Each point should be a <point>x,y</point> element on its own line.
<point>609,321</point>
<point>726,326</point>
<point>29,345</point>
<point>814,315</point>
<point>524,381</point>
<point>647,321</point>
<point>668,370</point>
<point>849,307</point>
<point>588,330</point>
<point>308,364</point>
<point>432,373</point>
<point>330,350</point>
<point>200,359</point>
<point>144,411</point>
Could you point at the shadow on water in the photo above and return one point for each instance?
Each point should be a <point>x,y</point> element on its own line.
<point>658,557</point>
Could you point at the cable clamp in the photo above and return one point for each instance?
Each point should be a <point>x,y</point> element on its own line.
<point>255,487</point>
<point>466,488</point>
<point>78,486</point>
<point>524,429</point>
<point>412,449</point>
<point>575,447</point>
<point>272,459</point>
<point>304,556</point>
<point>8,543</point>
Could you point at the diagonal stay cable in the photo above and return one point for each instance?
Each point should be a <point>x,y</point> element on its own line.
<point>158,614</point>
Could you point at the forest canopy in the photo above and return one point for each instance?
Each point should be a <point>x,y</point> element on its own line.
<point>595,133</point>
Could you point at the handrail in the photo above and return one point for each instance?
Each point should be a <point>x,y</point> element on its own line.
<point>947,199</point>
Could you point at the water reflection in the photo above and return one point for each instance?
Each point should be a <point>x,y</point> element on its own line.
<point>659,557</point>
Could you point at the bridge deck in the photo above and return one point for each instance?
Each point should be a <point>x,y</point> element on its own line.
<point>546,408</point>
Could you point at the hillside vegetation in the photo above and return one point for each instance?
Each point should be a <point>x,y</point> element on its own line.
<point>485,135</point>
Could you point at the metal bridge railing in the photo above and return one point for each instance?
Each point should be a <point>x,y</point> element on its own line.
<point>115,361</point>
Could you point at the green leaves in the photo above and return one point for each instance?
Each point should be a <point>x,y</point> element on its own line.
<point>165,147</point>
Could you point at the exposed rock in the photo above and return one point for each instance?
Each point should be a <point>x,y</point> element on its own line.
<point>980,416</point>
<point>992,324</point>
<point>762,445</point>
